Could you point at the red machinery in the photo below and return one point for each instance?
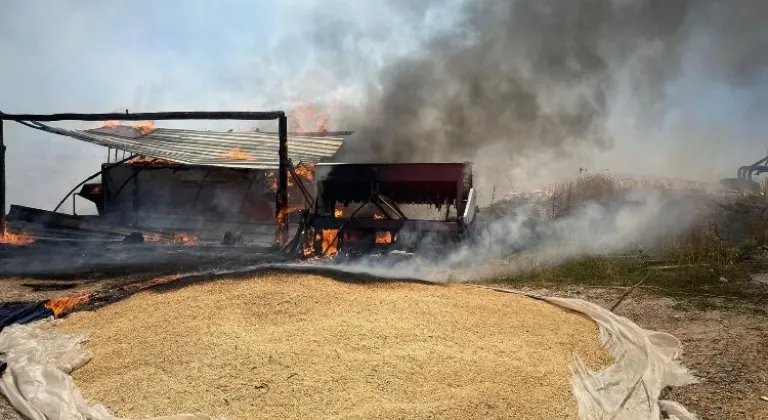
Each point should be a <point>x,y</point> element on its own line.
<point>356,205</point>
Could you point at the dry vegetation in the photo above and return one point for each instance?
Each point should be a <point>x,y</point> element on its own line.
<point>299,346</point>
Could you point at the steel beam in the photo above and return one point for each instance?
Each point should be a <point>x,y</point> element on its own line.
<point>2,177</point>
<point>281,199</point>
<point>155,116</point>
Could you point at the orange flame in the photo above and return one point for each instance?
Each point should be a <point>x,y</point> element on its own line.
<point>145,127</point>
<point>183,239</point>
<point>330,239</point>
<point>157,281</point>
<point>155,237</point>
<point>330,242</point>
<point>326,237</point>
<point>9,238</point>
<point>305,171</point>
<point>238,154</point>
<point>306,118</point>
<point>382,237</point>
<point>110,124</point>
<point>154,161</point>
<point>60,306</point>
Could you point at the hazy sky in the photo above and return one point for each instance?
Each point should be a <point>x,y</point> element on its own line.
<point>100,56</point>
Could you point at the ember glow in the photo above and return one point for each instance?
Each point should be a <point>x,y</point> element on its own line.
<point>326,237</point>
<point>61,306</point>
<point>382,237</point>
<point>238,154</point>
<point>330,239</point>
<point>149,160</point>
<point>305,171</point>
<point>151,237</point>
<point>181,238</point>
<point>330,242</point>
<point>145,127</point>
<point>9,238</point>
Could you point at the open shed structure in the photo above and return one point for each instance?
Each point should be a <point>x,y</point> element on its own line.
<point>163,179</point>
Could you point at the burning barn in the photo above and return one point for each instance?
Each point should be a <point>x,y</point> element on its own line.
<point>183,186</point>
<point>165,182</point>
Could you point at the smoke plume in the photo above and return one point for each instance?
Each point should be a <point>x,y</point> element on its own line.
<point>542,83</point>
<point>523,241</point>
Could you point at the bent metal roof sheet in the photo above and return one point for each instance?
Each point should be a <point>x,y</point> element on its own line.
<point>252,150</point>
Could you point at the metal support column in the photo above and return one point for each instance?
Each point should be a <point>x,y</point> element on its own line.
<point>2,179</point>
<point>281,201</point>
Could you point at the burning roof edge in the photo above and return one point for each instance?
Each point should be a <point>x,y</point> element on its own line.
<point>253,149</point>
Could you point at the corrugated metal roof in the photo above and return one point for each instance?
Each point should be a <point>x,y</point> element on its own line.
<point>253,150</point>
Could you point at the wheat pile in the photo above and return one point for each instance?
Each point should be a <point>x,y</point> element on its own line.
<point>304,346</point>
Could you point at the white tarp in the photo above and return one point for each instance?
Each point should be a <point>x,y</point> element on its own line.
<point>39,360</point>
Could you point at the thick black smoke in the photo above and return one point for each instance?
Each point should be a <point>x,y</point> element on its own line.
<point>517,77</point>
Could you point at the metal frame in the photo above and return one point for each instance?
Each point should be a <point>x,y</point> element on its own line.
<point>322,216</point>
<point>745,172</point>
<point>281,196</point>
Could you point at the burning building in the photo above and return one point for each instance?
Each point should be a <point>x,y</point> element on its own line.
<point>168,183</point>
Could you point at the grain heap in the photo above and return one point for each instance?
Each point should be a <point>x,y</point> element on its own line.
<point>305,346</point>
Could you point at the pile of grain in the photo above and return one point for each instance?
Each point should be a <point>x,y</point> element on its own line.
<point>304,346</point>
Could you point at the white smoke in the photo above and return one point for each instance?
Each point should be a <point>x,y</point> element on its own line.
<point>637,218</point>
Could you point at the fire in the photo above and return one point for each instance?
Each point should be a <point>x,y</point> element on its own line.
<point>183,239</point>
<point>306,118</point>
<point>330,239</point>
<point>238,154</point>
<point>384,237</point>
<point>326,237</point>
<point>145,127</point>
<point>155,237</point>
<point>158,281</point>
<point>13,238</point>
<point>330,242</point>
<point>305,171</point>
<point>144,159</point>
<point>60,306</point>
<point>110,124</point>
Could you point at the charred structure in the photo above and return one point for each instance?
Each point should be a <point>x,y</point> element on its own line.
<point>181,180</point>
<point>364,206</point>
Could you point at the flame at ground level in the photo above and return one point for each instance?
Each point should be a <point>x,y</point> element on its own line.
<point>9,238</point>
<point>63,305</point>
<point>60,306</point>
<point>183,239</point>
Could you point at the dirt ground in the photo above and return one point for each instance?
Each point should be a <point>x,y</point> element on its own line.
<point>724,342</point>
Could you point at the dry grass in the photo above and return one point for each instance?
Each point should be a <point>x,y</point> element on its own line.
<point>302,346</point>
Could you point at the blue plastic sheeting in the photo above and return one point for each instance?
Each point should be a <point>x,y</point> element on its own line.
<point>22,313</point>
